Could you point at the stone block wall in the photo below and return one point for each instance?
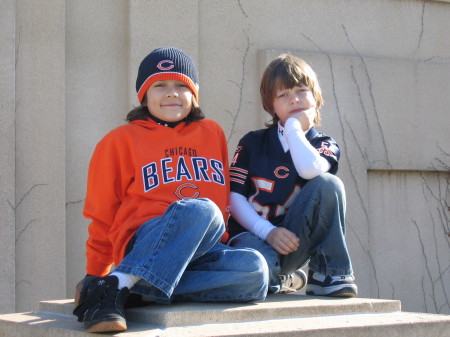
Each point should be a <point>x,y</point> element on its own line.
<point>68,70</point>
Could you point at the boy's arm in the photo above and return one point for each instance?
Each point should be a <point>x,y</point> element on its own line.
<point>281,239</point>
<point>240,208</point>
<point>226,167</point>
<point>307,160</point>
<point>98,248</point>
<point>247,217</point>
<point>108,177</point>
<point>225,206</point>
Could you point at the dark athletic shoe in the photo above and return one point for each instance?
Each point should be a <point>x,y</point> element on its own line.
<point>101,305</point>
<point>335,286</point>
<point>293,282</point>
<point>80,286</point>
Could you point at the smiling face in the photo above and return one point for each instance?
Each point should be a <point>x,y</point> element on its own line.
<point>287,102</point>
<point>169,100</point>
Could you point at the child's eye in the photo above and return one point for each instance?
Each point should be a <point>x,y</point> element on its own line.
<point>302,91</point>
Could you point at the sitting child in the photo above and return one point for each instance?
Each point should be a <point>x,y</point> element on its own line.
<point>286,201</point>
<point>157,198</point>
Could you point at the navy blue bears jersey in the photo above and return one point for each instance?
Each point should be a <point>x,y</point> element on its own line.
<point>265,174</point>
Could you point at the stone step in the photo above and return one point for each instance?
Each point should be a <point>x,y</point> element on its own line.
<point>392,324</point>
<point>275,306</point>
<point>396,324</point>
<point>280,315</point>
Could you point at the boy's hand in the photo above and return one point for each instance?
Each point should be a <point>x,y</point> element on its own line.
<point>283,240</point>
<point>306,118</point>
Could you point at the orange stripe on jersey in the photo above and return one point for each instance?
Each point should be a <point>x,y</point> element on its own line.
<point>237,181</point>
<point>238,175</point>
<point>238,170</point>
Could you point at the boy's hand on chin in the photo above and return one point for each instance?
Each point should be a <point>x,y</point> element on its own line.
<point>306,118</point>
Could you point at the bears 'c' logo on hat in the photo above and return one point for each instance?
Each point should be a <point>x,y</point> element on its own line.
<point>168,67</point>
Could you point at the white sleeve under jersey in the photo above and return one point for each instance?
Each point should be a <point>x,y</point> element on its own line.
<point>246,215</point>
<point>307,160</point>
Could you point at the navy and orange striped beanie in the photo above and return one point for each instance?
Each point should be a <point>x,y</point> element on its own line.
<point>167,63</point>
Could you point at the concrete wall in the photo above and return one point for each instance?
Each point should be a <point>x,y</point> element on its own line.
<point>7,156</point>
<point>68,70</point>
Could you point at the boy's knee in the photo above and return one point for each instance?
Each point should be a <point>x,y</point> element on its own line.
<point>262,275</point>
<point>257,274</point>
<point>257,261</point>
<point>203,207</point>
<point>255,265</point>
<point>329,183</point>
<point>209,206</point>
<point>202,203</point>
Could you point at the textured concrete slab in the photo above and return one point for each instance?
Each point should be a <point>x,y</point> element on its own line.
<point>352,325</point>
<point>390,324</point>
<point>276,306</point>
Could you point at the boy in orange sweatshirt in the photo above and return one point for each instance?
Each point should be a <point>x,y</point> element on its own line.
<point>158,198</point>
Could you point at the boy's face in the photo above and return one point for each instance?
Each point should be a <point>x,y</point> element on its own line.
<point>169,100</point>
<point>293,102</point>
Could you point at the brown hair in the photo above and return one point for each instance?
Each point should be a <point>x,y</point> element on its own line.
<point>285,72</point>
<point>141,112</point>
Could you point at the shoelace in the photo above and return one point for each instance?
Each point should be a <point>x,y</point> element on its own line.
<point>287,280</point>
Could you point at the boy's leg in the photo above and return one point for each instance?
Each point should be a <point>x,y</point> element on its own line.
<point>165,245</point>
<point>224,274</point>
<point>163,248</point>
<point>249,240</point>
<point>317,216</point>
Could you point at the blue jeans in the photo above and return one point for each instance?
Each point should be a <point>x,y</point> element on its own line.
<point>317,217</point>
<point>179,257</point>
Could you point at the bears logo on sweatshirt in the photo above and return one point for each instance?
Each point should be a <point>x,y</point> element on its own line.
<point>170,170</point>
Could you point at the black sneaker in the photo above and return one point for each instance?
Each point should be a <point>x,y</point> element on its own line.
<point>292,282</point>
<point>335,286</point>
<point>80,286</point>
<point>101,305</point>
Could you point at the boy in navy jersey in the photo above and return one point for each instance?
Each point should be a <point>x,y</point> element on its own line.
<point>286,201</point>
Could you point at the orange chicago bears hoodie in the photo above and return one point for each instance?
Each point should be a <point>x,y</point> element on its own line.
<point>137,170</point>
